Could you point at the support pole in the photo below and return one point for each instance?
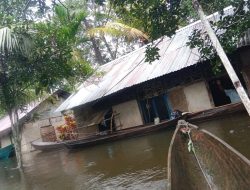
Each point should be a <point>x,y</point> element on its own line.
<point>232,74</point>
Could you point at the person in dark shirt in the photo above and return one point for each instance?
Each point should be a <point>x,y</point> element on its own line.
<point>220,96</point>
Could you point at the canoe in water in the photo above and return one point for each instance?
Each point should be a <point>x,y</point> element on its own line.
<point>212,165</point>
<point>45,146</point>
<point>6,152</point>
<point>121,134</point>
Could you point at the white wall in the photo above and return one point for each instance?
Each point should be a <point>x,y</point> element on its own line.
<point>5,141</point>
<point>197,97</point>
<point>129,114</point>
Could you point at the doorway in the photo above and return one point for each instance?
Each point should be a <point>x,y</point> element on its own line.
<point>223,91</point>
<point>155,107</point>
<point>108,123</point>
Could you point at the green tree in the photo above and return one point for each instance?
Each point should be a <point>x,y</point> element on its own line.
<point>95,40</point>
<point>36,57</point>
<point>163,17</point>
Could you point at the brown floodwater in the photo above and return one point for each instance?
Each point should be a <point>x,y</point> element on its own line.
<point>136,163</point>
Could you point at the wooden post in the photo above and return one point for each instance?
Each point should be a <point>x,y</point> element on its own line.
<point>111,124</point>
<point>233,76</point>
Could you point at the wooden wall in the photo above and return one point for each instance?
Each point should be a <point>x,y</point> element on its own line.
<point>178,99</point>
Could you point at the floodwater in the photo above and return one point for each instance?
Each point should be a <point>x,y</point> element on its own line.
<point>233,129</point>
<point>136,163</point>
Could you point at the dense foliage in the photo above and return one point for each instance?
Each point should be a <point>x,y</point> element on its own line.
<point>55,54</point>
<point>102,36</point>
<point>48,46</point>
<point>163,17</point>
<point>36,56</point>
<point>229,29</point>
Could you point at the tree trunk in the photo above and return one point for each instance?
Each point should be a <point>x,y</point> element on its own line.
<point>233,76</point>
<point>112,55</point>
<point>97,51</point>
<point>13,115</point>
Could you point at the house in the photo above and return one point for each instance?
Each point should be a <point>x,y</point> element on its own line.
<point>132,92</point>
<point>37,121</point>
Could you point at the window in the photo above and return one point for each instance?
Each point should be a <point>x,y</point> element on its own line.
<point>157,106</point>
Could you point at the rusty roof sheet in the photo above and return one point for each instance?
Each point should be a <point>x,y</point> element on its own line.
<point>131,69</point>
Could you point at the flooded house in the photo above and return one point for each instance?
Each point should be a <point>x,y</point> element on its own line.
<point>129,92</point>
<point>38,121</point>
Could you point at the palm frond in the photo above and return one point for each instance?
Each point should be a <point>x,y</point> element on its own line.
<point>61,13</point>
<point>118,29</point>
<point>25,44</point>
<point>8,40</point>
<point>101,31</point>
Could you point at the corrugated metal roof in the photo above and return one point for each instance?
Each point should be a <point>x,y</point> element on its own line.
<point>5,123</point>
<point>132,69</point>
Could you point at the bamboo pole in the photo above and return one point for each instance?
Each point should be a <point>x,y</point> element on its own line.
<point>224,59</point>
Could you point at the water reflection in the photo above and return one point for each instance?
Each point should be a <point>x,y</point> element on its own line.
<point>136,163</point>
<point>234,129</point>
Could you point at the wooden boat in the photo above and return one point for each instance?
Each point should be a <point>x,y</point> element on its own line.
<point>7,152</point>
<point>141,130</point>
<point>212,165</point>
<point>44,146</point>
<point>121,134</point>
<point>212,113</point>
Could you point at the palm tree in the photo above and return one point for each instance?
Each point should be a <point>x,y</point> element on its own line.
<point>10,44</point>
<point>117,30</point>
<point>18,66</point>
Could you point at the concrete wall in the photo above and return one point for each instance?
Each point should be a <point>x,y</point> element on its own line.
<point>190,97</point>
<point>31,129</point>
<point>5,141</point>
<point>128,113</point>
<point>197,97</point>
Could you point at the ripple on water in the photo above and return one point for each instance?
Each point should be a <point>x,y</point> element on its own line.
<point>148,179</point>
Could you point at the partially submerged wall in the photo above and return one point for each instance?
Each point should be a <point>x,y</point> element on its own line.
<point>128,114</point>
<point>45,116</point>
<point>37,118</point>
<point>5,141</point>
<point>190,97</point>
<point>197,97</point>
